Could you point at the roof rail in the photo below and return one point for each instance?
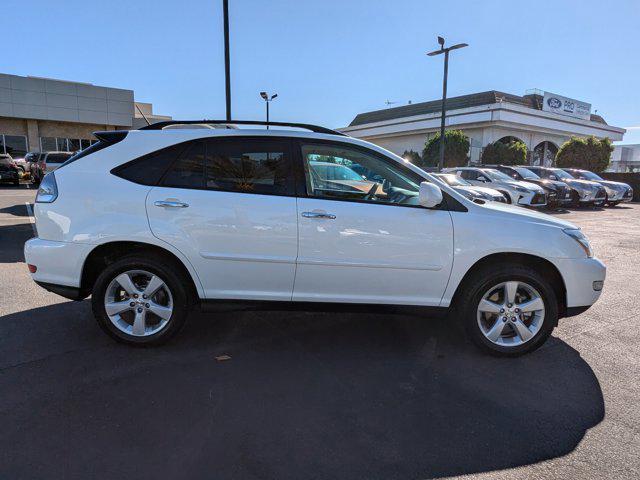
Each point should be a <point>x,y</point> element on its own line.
<point>306,126</point>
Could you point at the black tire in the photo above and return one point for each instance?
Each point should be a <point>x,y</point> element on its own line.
<point>157,265</point>
<point>481,281</point>
<point>506,196</point>
<point>613,204</point>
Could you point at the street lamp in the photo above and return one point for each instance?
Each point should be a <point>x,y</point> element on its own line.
<point>444,90</point>
<point>268,99</point>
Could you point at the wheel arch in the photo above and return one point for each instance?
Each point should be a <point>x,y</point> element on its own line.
<point>107,253</point>
<point>540,264</point>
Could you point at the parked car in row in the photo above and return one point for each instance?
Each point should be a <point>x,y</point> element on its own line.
<point>46,162</point>
<point>588,193</point>
<point>472,192</point>
<point>616,191</point>
<point>517,192</point>
<point>558,193</point>
<point>9,172</point>
<point>195,217</point>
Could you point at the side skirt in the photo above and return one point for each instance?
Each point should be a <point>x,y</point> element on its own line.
<point>284,306</point>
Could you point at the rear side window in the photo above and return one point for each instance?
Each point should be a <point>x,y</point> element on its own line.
<point>188,169</point>
<point>249,166</point>
<point>149,169</point>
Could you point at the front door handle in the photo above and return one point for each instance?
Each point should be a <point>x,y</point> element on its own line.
<point>170,204</point>
<point>318,215</point>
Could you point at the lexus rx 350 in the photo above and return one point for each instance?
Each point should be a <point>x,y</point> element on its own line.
<point>154,222</point>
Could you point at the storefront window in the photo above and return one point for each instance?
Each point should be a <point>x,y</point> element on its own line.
<point>14,145</point>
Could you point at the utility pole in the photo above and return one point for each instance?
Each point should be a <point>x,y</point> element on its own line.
<point>444,90</point>
<point>227,72</point>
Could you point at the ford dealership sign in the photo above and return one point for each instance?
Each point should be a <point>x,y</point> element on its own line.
<point>566,106</point>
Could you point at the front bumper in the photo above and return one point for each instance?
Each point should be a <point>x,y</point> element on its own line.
<point>580,276</point>
<point>532,200</point>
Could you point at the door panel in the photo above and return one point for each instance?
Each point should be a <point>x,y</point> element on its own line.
<point>371,253</point>
<point>243,246</point>
<point>229,205</point>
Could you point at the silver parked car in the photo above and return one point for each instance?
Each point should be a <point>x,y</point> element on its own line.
<point>616,191</point>
<point>472,192</point>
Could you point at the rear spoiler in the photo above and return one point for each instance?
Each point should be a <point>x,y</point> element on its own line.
<point>106,139</point>
<point>111,136</point>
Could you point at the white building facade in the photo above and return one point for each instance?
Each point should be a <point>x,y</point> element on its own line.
<point>485,118</point>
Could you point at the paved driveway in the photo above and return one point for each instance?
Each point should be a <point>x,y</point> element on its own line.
<point>317,395</point>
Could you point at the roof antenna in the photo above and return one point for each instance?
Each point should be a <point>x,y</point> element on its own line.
<point>143,115</point>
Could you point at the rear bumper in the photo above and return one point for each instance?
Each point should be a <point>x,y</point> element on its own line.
<point>72,293</point>
<point>58,264</point>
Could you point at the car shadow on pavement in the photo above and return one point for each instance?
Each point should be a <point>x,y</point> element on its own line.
<point>281,395</point>
<point>17,210</point>
<point>12,238</point>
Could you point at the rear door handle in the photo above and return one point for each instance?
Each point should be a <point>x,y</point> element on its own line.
<point>318,215</point>
<point>170,204</point>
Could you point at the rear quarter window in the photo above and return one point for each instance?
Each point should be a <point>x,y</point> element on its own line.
<point>149,169</point>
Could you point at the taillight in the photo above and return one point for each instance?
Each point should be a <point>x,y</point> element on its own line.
<point>48,190</point>
<point>32,268</point>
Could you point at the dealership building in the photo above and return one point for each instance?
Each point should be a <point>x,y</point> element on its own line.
<point>42,114</point>
<point>542,120</point>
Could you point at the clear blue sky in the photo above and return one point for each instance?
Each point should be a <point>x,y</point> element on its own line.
<point>329,60</point>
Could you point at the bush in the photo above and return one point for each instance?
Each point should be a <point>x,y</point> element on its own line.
<point>512,153</point>
<point>456,150</point>
<point>588,153</point>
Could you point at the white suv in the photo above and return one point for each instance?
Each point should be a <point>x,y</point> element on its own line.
<point>517,192</point>
<point>154,222</point>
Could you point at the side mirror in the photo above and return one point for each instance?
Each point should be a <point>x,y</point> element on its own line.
<point>553,177</point>
<point>482,178</point>
<point>429,195</point>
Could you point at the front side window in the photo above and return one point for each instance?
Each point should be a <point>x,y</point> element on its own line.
<point>249,165</point>
<point>347,173</point>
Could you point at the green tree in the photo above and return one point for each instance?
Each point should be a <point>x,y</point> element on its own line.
<point>413,157</point>
<point>588,153</point>
<point>456,149</point>
<point>499,153</point>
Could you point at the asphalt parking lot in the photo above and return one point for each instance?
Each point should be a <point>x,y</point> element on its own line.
<point>317,395</point>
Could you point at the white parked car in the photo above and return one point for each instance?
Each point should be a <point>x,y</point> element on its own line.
<point>517,192</point>
<point>472,192</point>
<point>153,222</point>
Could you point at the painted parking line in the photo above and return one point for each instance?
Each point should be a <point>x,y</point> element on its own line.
<point>31,218</point>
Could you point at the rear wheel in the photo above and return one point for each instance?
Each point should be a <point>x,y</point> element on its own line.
<point>140,300</point>
<point>508,311</point>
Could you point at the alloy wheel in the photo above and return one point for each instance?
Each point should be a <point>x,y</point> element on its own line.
<point>510,313</point>
<point>138,303</point>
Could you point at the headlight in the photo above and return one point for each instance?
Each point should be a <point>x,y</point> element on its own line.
<point>48,190</point>
<point>579,237</point>
<point>522,189</point>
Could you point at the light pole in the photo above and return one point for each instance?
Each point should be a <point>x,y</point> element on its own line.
<point>268,99</point>
<point>444,90</point>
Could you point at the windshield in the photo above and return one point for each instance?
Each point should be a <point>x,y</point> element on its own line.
<point>452,180</point>
<point>589,176</point>
<point>496,175</point>
<point>526,173</point>
<point>329,171</point>
<point>561,173</point>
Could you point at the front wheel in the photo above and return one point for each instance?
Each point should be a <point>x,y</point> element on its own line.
<point>509,310</point>
<point>140,300</point>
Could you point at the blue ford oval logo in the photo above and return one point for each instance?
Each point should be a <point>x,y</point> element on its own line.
<point>554,102</point>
